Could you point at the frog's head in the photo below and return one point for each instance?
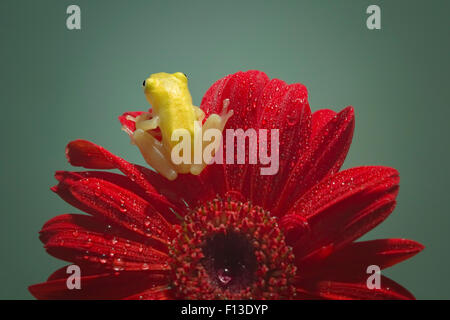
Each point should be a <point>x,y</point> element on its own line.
<point>162,89</point>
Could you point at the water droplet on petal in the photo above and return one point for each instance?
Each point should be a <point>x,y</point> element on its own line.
<point>123,208</point>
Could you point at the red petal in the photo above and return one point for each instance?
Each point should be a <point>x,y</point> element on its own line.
<point>319,119</point>
<point>186,192</point>
<point>326,155</point>
<point>357,290</point>
<point>103,286</point>
<point>283,107</point>
<point>383,253</point>
<point>243,90</point>
<point>86,154</point>
<point>100,194</point>
<point>156,293</point>
<point>88,270</point>
<point>78,238</point>
<point>156,187</point>
<point>345,206</point>
<point>123,207</point>
<point>68,178</point>
<point>70,221</point>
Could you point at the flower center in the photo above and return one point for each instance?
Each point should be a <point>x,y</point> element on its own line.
<point>227,249</point>
<point>229,260</point>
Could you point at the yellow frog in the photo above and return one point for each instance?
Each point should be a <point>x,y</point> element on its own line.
<point>172,110</point>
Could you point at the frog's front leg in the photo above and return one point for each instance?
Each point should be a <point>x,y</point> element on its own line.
<point>154,153</point>
<point>214,121</point>
<point>146,122</point>
<point>199,114</point>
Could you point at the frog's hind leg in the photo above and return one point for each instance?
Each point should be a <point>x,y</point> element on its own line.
<point>214,121</point>
<point>154,154</point>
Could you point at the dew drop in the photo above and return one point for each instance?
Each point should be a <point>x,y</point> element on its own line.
<point>293,117</point>
<point>224,276</point>
<point>122,207</point>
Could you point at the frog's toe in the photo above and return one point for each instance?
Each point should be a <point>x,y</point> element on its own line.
<point>196,169</point>
<point>147,122</point>
<point>226,114</point>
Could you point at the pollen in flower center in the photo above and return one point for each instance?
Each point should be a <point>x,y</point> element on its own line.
<point>231,250</point>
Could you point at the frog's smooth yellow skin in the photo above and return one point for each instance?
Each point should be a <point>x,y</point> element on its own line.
<point>172,109</point>
<point>172,102</point>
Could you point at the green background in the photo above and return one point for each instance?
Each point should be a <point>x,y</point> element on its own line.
<point>58,85</point>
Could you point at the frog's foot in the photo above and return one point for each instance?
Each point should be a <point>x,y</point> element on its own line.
<point>216,122</point>
<point>145,121</point>
<point>225,114</point>
<point>154,154</point>
<point>199,114</point>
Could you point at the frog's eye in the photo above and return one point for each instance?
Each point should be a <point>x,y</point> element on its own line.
<point>143,83</point>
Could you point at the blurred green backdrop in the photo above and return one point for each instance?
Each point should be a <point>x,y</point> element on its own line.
<point>58,85</point>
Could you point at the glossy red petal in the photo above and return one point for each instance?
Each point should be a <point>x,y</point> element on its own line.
<point>326,155</point>
<point>383,253</point>
<point>123,207</point>
<point>70,182</point>
<point>86,154</point>
<point>78,238</point>
<point>343,207</point>
<point>284,108</point>
<point>186,192</point>
<point>88,270</point>
<point>357,290</point>
<point>82,153</point>
<point>102,286</point>
<point>155,293</point>
<point>319,119</point>
<point>162,193</point>
<point>68,178</point>
<point>71,221</point>
<point>243,90</point>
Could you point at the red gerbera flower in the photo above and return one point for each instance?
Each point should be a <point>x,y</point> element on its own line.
<point>230,232</point>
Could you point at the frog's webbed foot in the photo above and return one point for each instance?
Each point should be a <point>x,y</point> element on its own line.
<point>217,122</point>
<point>154,154</point>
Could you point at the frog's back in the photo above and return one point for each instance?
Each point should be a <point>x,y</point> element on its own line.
<point>176,116</point>
<point>171,102</point>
